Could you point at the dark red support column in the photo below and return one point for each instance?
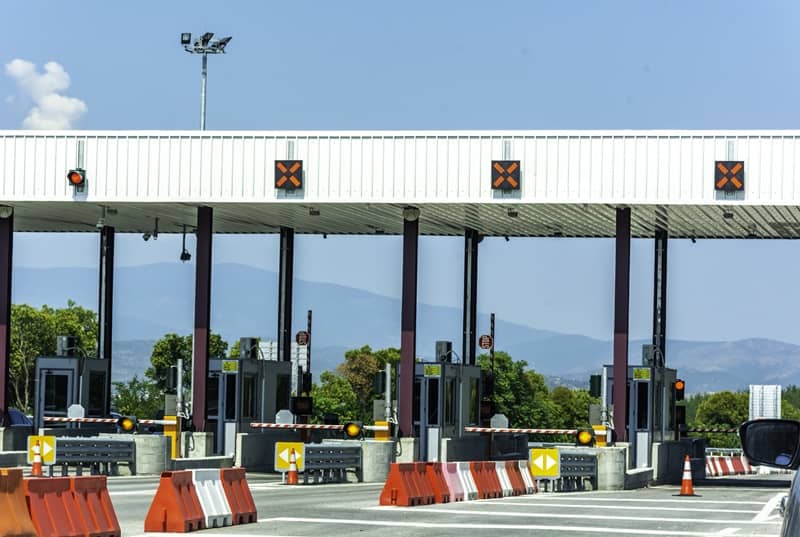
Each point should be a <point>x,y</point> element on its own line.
<point>660,296</point>
<point>202,316</point>
<point>622,285</point>
<point>105,308</point>
<point>471,240</point>
<point>285,280</point>
<point>408,328</point>
<point>6,243</point>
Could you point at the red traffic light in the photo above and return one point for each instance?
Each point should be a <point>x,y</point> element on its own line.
<point>76,177</point>
<point>679,386</point>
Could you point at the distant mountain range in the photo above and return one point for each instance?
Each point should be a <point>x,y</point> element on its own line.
<point>155,299</point>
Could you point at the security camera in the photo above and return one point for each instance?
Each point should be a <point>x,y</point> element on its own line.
<point>146,236</point>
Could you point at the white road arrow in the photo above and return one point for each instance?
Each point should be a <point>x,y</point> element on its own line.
<point>284,455</point>
<point>549,462</point>
<point>538,461</point>
<point>46,448</point>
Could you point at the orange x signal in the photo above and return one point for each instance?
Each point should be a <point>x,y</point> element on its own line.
<point>730,175</point>
<point>505,175</point>
<point>288,174</point>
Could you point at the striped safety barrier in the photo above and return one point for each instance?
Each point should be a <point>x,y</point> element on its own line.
<point>420,483</point>
<point>523,431</point>
<point>112,421</point>
<point>317,426</point>
<point>725,465</point>
<point>189,500</point>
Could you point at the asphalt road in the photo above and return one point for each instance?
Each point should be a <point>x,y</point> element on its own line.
<point>349,509</point>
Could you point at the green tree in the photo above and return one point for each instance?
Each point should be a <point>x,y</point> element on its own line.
<point>334,395</point>
<point>358,369</point>
<point>520,394</point>
<point>137,397</point>
<point>33,334</point>
<point>725,410</point>
<point>572,407</point>
<point>171,347</point>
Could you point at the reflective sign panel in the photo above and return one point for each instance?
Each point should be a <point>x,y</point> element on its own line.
<point>288,174</point>
<point>729,175</point>
<point>505,175</point>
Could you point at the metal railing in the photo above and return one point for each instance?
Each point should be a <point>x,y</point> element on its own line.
<point>99,455</point>
<point>329,463</point>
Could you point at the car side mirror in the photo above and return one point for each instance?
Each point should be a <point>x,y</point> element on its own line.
<point>771,442</point>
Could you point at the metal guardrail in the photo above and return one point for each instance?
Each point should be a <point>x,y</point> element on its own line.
<point>101,456</point>
<point>328,463</point>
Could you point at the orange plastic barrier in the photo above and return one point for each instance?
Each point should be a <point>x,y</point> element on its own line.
<point>423,486</point>
<point>15,522</point>
<point>175,506</point>
<point>52,507</point>
<point>490,471</point>
<point>401,486</point>
<point>237,491</point>
<point>436,479</point>
<point>94,505</point>
<point>486,480</point>
<point>738,467</point>
<point>514,475</point>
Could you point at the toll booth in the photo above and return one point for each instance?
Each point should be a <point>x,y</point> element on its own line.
<point>63,381</point>
<point>446,399</point>
<point>651,407</point>
<point>242,391</point>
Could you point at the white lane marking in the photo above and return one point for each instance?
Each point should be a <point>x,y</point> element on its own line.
<point>628,507</point>
<point>425,509</point>
<point>548,498</point>
<point>728,531</point>
<point>593,530</point>
<point>768,508</point>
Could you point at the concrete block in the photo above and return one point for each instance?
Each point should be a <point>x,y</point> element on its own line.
<point>153,452</point>
<point>470,448</point>
<point>638,478</point>
<point>196,445</point>
<point>611,468</point>
<point>375,459</point>
<point>200,463</point>
<point>13,459</point>
<point>256,451</point>
<point>15,438</point>
<point>407,450</point>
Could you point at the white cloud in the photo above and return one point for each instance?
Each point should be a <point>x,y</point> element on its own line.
<point>51,109</point>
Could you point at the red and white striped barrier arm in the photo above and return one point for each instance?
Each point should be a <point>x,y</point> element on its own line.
<point>711,430</point>
<point>112,421</point>
<point>511,430</point>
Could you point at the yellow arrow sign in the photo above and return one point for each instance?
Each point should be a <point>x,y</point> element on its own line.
<point>283,455</point>
<point>47,448</point>
<point>545,462</point>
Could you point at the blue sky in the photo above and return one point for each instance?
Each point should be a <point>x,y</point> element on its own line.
<point>445,65</point>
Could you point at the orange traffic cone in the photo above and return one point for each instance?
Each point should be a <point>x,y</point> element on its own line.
<point>291,476</point>
<point>36,465</point>
<point>686,482</point>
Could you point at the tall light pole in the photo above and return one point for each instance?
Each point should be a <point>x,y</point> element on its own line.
<point>205,46</point>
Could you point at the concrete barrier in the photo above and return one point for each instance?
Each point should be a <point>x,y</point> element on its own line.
<point>407,450</point>
<point>196,445</point>
<point>376,456</point>
<point>611,468</point>
<point>13,459</point>
<point>15,438</point>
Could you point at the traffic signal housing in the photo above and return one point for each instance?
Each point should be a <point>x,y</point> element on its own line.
<point>127,424</point>
<point>679,386</point>
<point>353,429</point>
<point>77,178</point>
<point>584,438</point>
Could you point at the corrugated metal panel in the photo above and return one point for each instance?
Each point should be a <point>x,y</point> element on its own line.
<point>564,167</point>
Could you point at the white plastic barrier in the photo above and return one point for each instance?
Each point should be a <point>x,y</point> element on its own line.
<point>502,476</point>
<point>208,485</point>
<point>467,482</point>
<point>526,476</point>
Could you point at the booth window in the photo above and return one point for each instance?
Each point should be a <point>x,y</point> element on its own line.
<point>283,391</point>
<point>474,405</point>
<point>249,397</point>
<point>449,401</point>
<point>433,401</point>
<point>212,395</point>
<point>97,393</point>
<point>642,405</point>
<point>55,393</point>
<point>230,397</point>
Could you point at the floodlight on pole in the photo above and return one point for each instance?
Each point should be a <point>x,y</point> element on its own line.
<point>205,45</point>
